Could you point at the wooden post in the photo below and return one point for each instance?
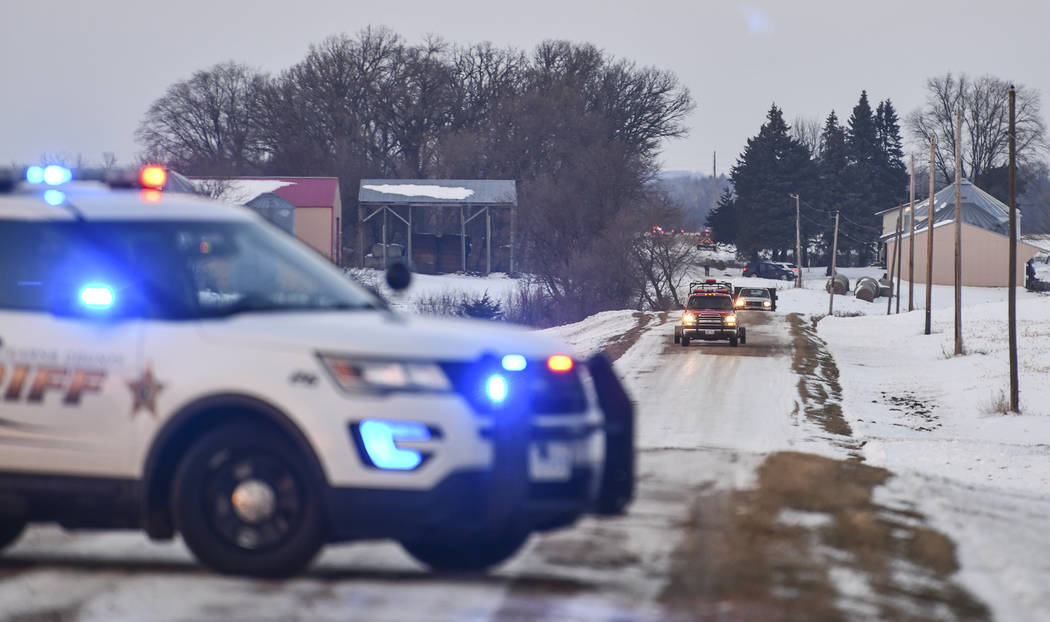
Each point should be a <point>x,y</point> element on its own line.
<point>488,241</point>
<point>409,258</point>
<point>911,238</point>
<point>1012,285</point>
<point>898,257</point>
<point>958,235</point>
<point>798,244</point>
<point>462,239</point>
<point>360,236</point>
<point>834,251</point>
<point>929,240</point>
<point>894,266</point>
<point>513,218</point>
<point>385,253</point>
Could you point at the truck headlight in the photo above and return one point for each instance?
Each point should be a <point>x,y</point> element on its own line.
<point>688,318</point>
<point>730,320</point>
<point>379,375</point>
<point>766,303</point>
<point>740,302</point>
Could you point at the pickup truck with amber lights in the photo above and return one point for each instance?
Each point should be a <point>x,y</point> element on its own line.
<point>176,365</point>
<point>709,315</point>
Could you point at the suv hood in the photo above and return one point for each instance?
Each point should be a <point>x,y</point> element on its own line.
<point>379,334</point>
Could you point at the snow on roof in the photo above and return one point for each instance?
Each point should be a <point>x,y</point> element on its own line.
<point>414,191</point>
<point>299,191</point>
<point>436,192</point>
<point>976,206</point>
<point>241,191</point>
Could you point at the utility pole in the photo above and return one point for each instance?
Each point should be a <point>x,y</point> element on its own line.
<point>798,243</point>
<point>929,241</point>
<point>898,260</point>
<point>894,266</point>
<point>1012,289</point>
<point>834,251</point>
<point>958,235</point>
<point>911,238</point>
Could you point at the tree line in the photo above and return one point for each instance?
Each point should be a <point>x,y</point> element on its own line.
<point>858,168</point>
<point>578,129</point>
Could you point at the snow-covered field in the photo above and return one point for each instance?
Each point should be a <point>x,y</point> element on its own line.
<point>923,410</point>
<point>497,285</point>
<point>709,416</point>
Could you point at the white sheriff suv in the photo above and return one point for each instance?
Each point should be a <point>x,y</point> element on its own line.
<point>178,365</point>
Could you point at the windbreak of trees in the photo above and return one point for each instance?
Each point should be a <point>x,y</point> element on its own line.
<point>578,129</point>
<point>856,169</point>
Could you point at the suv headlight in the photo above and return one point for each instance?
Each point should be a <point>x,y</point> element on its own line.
<point>384,375</point>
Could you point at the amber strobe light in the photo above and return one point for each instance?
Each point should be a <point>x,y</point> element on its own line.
<point>153,176</point>
<point>559,363</point>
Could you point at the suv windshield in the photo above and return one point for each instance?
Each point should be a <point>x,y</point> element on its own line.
<point>172,269</point>
<point>711,302</point>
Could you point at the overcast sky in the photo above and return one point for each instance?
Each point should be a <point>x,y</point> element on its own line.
<point>78,75</point>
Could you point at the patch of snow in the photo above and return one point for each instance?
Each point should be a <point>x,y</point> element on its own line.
<point>240,191</point>
<point>801,518</point>
<point>933,418</point>
<point>436,192</point>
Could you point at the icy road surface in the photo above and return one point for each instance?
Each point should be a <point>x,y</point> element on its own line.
<point>752,503</point>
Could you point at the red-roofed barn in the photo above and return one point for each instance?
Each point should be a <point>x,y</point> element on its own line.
<point>316,201</point>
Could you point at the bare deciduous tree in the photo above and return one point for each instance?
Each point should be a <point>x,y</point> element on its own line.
<point>207,125</point>
<point>807,131</point>
<point>983,105</point>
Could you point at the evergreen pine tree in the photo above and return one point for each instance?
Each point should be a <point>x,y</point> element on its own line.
<point>723,219</point>
<point>833,164</point>
<point>858,227</point>
<point>773,166</point>
<point>894,177</point>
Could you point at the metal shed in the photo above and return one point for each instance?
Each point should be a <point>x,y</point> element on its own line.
<point>473,197</point>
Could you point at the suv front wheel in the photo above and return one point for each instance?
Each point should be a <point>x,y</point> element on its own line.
<point>461,552</point>
<point>246,504</point>
<point>10,532</point>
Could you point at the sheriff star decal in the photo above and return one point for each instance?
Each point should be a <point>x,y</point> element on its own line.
<point>144,393</point>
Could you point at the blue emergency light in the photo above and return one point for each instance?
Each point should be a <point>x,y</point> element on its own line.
<point>52,175</point>
<point>496,388</point>
<point>54,197</point>
<point>96,296</point>
<point>514,362</point>
<point>380,439</point>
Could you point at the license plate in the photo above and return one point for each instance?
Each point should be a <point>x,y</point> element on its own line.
<point>709,332</point>
<point>550,461</point>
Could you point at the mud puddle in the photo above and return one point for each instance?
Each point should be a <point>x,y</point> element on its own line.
<point>820,393</point>
<point>809,543</point>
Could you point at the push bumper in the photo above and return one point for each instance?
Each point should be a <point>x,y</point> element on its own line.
<point>510,491</point>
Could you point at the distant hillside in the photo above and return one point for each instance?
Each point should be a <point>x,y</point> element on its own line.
<point>693,192</point>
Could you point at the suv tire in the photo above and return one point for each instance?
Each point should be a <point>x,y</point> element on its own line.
<point>279,527</point>
<point>466,552</point>
<point>10,532</point>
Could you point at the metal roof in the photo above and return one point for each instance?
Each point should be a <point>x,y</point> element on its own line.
<point>438,192</point>
<point>299,191</point>
<point>976,206</point>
